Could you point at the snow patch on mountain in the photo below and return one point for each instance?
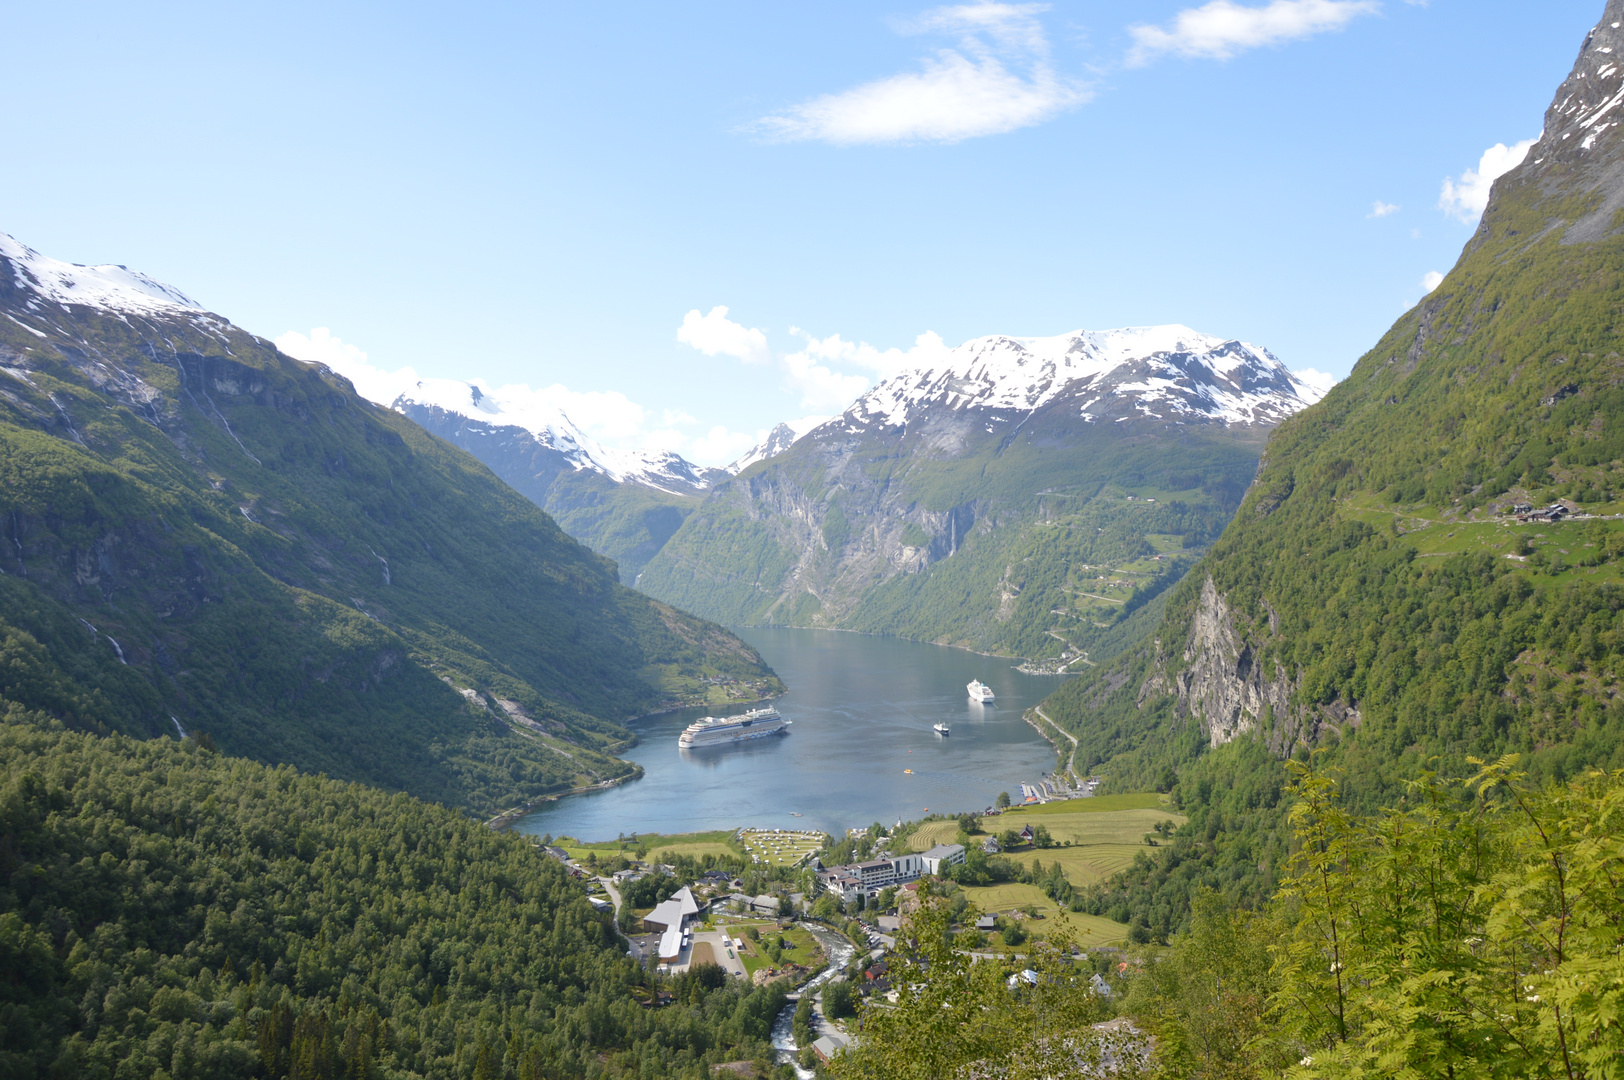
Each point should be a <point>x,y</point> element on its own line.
<point>550,426</point>
<point>778,440</point>
<point>1165,372</point>
<point>115,289</point>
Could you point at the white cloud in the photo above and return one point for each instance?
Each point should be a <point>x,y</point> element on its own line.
<point>1223,29</point>
<point>1468,197</point>
<point>1382,209</point>
<point>321,347</point>
<point>714,333</point>
<point>996,80</point>
<point>927,348</point>
<point>1320,382</point>
<point>609,417</point>
<point>719,446</point>
<point>821,386</point>
<point>812,372</point>
<point>1431,280</point>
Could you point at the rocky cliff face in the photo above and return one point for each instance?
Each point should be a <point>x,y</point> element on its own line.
<point>1230,691</point>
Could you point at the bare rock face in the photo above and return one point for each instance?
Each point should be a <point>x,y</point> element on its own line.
<point>1221,681</point>
<point>1223,685</point>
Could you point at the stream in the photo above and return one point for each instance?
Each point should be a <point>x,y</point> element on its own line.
<point>839,949</point>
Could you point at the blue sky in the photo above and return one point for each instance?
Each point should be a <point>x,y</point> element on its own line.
<point>542,193</point>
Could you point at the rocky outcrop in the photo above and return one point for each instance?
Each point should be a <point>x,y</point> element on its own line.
<point>1222,683</point>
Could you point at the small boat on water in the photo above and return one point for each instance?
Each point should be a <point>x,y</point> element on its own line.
<point>942,729</point>
<point>980,691</point>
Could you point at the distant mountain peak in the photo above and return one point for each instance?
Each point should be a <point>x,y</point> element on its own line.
<point>779,439</point>
<point>551,427</point>
<point>1164,372</point>
<point>115,289</point>
<point>1590,103</point>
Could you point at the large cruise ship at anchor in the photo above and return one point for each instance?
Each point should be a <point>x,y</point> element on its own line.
<point>979,691</point>
<point>724,730</point>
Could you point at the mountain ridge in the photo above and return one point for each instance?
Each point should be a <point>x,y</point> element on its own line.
<point>1052,461</point>
<point>1379,600</point>
<point>202,532</point>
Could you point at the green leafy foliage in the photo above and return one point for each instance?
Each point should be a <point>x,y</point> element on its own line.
<point>956,1017</point>
<point>167,911</point>
<point>1473,932</point>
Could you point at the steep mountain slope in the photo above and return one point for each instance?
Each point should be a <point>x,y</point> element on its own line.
<point>1377,595</point>
<point>623,505</point>
<point>201,533</point>
<point>1029,496</point>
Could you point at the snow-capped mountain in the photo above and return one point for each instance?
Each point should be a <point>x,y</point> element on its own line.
<point>778,440</point>
<point>1160,372</point>
<point>116,289</point>
<point>984,498</point>
<point>506,412</point>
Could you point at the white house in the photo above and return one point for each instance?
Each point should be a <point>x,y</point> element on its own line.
<point>942,855</point>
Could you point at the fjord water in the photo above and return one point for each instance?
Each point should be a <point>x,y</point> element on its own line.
<point>861,710</point>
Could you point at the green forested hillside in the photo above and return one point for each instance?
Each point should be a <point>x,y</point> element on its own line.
<point>1032,535</point>
<point>627,521</point>
<point>167,912</point>
<point>1375,595</point>
<point>202,534</point>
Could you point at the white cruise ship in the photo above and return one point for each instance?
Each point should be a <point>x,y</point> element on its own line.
<point>722,730</point>
<point>979,691</point>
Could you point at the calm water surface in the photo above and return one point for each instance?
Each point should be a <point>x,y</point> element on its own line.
<point>861,711</point>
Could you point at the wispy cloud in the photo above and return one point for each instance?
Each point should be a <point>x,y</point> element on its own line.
<point>714,334</point>
<point>1382,209</point>
<point>827,373</point>
<point>995,79</point>
<point>1223,29</point>
<point>1467,197</point>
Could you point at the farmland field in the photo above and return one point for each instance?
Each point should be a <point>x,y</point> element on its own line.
<point>1105,833</point>
<point>1088,929</point>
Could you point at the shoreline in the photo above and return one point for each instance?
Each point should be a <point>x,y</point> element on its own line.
<point>900,637</point>
<point>508,817</point>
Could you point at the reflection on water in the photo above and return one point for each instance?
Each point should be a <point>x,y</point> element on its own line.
<point>860,711</point>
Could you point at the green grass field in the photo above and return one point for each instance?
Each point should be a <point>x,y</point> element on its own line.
<point>781,847</point>
<point>1085,865</point>
<point>1434,536</point>
<point>717,842</point>
<point>1105,832</point>
<point>1087,929</point>
<point>805,952</point>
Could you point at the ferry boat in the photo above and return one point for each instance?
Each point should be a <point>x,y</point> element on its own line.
<point>942,729</point>
<point>979,691</point>
<point>726,730</point>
